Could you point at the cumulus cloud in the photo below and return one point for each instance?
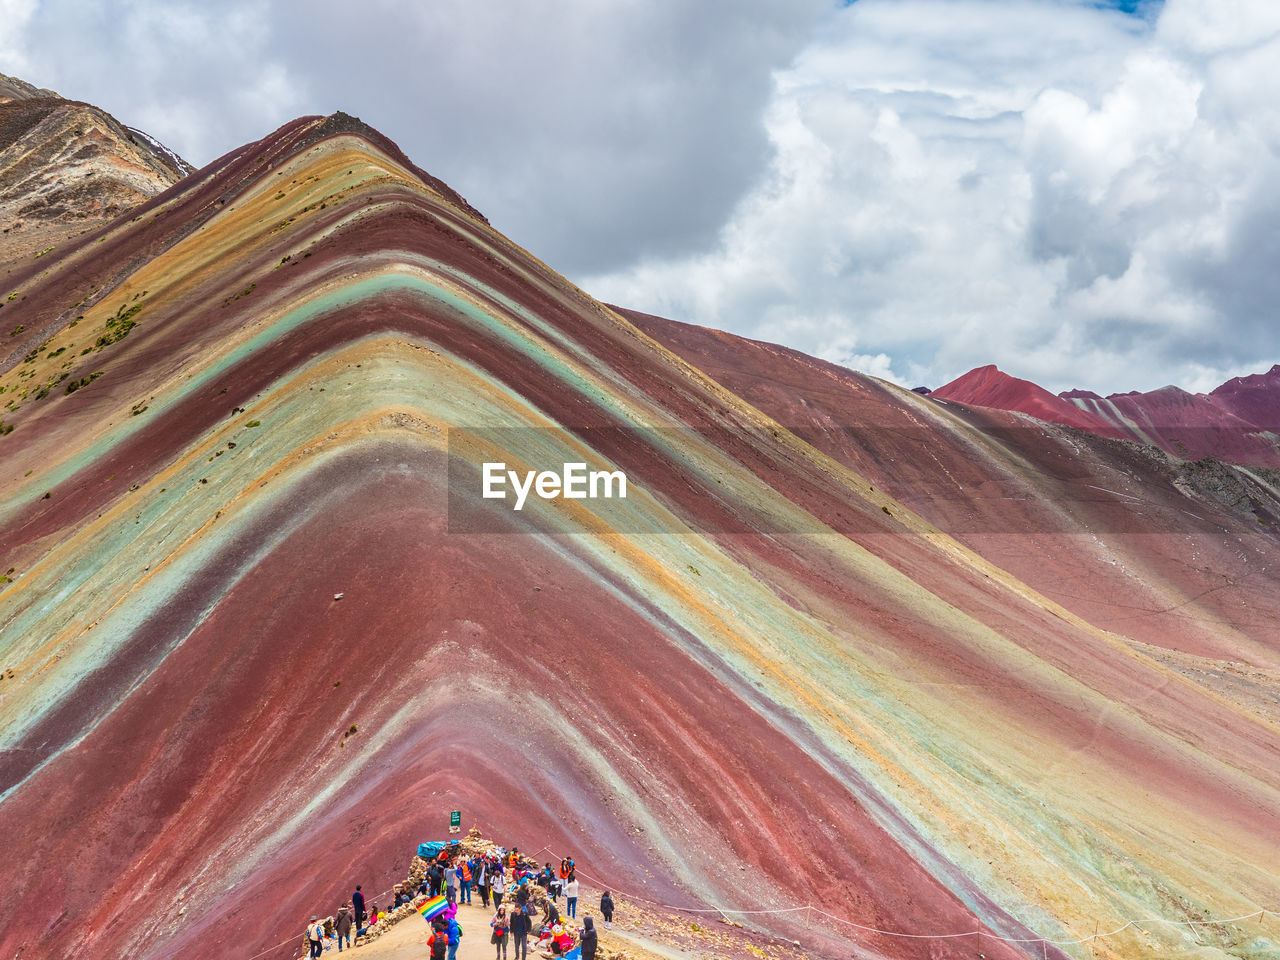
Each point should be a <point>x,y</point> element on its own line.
<point>593,133</point>
<point>1084,193</point>
<point>1086,197</point>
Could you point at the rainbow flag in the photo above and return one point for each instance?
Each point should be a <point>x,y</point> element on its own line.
<point>430,909</point>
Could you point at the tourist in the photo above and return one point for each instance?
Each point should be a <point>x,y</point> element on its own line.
<point>450,881</point>
<point>455,935</point>
<point>357,902</point>
<point>342,925</point>
<point>482,881</point>
<point>499,937</point>
<point>464,881</point>
<point>571,891</point>
<point>589,939</point>
<point>435,876</point>
<point>438,942</point>
<point>314,932</point>
<point>499,886</point>
<point>520,927</point>
<point>606,909</point>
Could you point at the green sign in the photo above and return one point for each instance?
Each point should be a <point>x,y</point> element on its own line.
<point>455,818</point>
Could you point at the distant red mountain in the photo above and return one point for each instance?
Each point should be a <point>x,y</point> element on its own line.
<point>1255,398</point>
<point>1231,423</point>
<point>991,387</point>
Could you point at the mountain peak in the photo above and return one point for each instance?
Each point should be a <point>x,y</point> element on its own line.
<point>988,386</point>
<point>66,166</point>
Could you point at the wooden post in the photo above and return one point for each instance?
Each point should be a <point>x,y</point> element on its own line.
<point>808,913</point>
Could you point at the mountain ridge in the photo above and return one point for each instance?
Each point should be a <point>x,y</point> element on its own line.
<point>1228,423</point>
<point>237,548</point>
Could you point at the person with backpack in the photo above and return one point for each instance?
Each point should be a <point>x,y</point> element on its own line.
<point>499,887</point>
<point>571,891</point>
<point>314,932</point>
<point>499,923</point>
<point>454,930</point>
<point>342,925</point>
<point>438,942</point>
<point>606,909</point>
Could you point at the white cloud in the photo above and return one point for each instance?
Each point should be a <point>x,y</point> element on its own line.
<point>14,17</point>
<point>1067,191</point>
<point>918,186</point>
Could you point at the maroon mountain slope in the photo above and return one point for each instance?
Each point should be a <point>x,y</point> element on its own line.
<point>1254,398</point>
<point>991,387</point>
<point>1115,542</point>
<point>1230,424</point>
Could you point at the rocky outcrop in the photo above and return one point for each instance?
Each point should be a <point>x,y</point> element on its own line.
<point>67,165</point>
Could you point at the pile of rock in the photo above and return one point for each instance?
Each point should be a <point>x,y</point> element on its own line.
<point>475,845</point>
<point>386,922</point>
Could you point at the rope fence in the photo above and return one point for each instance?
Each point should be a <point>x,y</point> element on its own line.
<point>725,911</point>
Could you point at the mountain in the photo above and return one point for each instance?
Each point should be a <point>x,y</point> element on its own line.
<point>933,668</point>
<point>1254,399</point>
<point>66,167</point>
<point>991,387</point>
<point>1231,423</point>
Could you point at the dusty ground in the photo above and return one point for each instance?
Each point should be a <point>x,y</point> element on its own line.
<point>638,933</point>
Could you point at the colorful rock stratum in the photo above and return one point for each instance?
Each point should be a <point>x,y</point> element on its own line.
<point>935,669</point>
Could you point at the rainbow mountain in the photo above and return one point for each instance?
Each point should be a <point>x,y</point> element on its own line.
<point>940,669</point>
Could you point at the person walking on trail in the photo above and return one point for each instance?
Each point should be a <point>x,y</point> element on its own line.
<point>520,927</point>
<point>357,903</point>
<point>464,881</point>
<point>589,939</point>
<point>314,932</point>
<point>455,936</point>
<point>499,937</point>
<point>451,881</point>
<point>482,882</point>
<point>438,942</point>
<point>342,925</point>
<point>499,887</point>
<point>606,909</point>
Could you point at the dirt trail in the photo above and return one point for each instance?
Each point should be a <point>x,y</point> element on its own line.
<point>407,940</point>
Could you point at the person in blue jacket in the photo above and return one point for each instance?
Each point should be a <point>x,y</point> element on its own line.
<point>455,934</point>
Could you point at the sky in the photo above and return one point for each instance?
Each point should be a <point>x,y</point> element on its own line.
<point>1086,194</point>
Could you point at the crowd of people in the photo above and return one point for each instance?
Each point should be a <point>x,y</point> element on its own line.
<point>503,878</point>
